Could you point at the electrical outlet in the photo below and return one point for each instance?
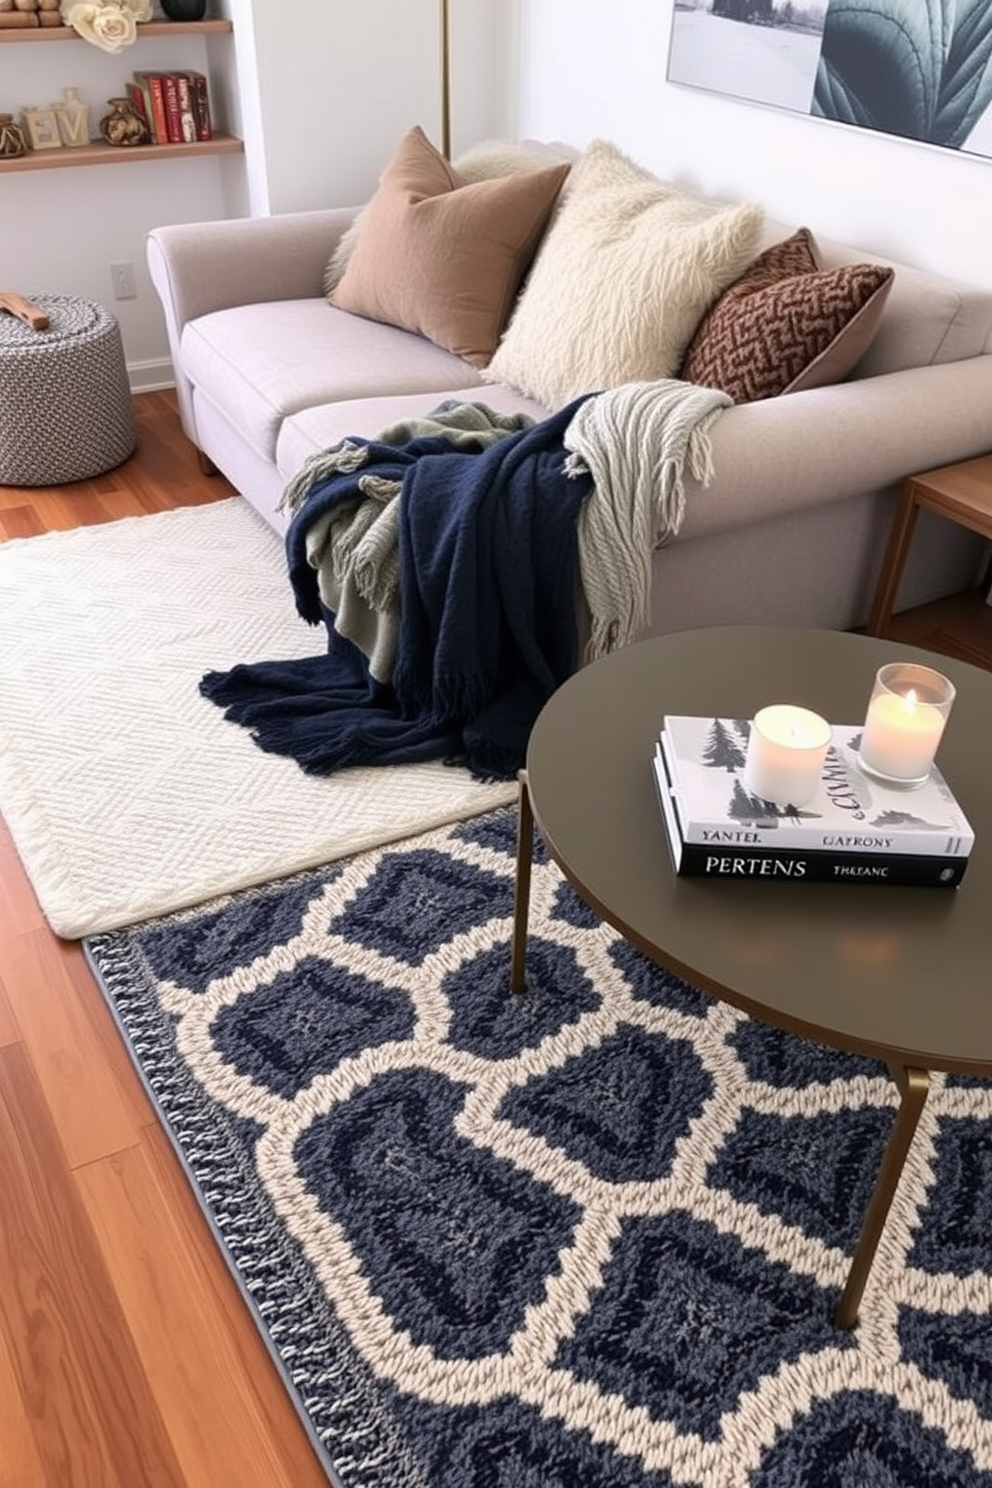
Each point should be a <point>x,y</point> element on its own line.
<point>122,278</point>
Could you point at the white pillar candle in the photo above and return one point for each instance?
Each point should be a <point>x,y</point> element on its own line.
<point>785,753</point>
<point>906,716</point>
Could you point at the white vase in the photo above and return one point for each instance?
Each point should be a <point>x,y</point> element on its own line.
<point>74,118</point>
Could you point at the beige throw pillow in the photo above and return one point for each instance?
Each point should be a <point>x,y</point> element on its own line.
<point>482,162</point>
<point>442,259</point>
<point>787,324</point>
<point>626,271</point>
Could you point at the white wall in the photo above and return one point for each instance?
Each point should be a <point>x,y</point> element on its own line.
<point>595,69</point>
<point>326,91</point>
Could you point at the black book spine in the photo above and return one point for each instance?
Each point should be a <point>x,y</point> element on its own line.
<point>784,865</point>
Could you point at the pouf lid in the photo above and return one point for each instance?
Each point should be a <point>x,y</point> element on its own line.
<point>69,319</point>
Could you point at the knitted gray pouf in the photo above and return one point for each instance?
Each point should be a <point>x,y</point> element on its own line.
<point>65,404</point>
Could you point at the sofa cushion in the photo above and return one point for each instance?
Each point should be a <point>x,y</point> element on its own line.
<point>627,269</point>
<point>485,161</point>
<point>261,363</point>
<point>313,429</point>
<point>445,259</point>
<point>786,324</point>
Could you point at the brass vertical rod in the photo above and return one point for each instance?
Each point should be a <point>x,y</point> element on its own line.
<point>521,886</point>
<point>444,21</point>
<point>913,1087</point>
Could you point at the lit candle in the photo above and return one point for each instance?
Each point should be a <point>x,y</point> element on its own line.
<point>906,716</point>
<point>785,753</point>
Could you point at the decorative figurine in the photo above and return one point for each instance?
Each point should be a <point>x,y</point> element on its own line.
<point>74,118</point>
<point>12,140</point>
<point>123,125</point>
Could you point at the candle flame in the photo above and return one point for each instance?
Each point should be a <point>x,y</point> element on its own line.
<point>909,700</point>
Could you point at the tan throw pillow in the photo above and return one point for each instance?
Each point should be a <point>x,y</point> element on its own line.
<point>443,259</point>
<point>483,162</point>
<point>625,273</point>
<point>787,324</point>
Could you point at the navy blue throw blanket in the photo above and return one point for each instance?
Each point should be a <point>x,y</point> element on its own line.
<point>487,632</point>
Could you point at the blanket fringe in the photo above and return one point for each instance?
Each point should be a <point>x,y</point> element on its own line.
<point>636,441</point>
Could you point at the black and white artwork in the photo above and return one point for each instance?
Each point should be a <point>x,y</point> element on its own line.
<point>919,69</point>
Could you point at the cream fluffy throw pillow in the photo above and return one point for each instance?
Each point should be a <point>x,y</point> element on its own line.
<point>626,271</point>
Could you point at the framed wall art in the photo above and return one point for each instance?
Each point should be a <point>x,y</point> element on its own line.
<point>919,69</point>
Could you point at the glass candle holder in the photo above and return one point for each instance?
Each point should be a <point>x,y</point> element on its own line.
<point>907,713</point>
<point>785,752</point>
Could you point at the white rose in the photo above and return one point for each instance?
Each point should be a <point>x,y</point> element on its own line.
<point>106,26</point>
<point>141,10</point>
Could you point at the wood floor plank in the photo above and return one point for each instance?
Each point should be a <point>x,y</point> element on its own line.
<point>19,909</point>
<point>20,1465</point>
<point>9,1031</point>
<point>93,1112</point>
<point>20,521</point>
<point>79,1380</point>
<point>209,1362</point>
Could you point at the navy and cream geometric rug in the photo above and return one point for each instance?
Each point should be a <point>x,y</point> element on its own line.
<point>589,1235</point>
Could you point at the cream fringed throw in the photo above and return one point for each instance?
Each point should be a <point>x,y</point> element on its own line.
<point>637,442</point>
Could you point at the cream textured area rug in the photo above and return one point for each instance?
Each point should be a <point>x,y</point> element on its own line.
<point>128,794</point>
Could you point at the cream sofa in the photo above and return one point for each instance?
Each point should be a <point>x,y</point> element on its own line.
<point>790,529</point>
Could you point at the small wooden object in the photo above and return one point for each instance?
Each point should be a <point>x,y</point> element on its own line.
<point>24,309</point>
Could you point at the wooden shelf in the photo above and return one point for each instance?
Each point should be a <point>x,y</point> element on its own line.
<point>97,152</point>
<point>146,28</point>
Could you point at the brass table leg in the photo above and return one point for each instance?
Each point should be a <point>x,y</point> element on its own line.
<point>521,886</point>
<point>914,1085</point>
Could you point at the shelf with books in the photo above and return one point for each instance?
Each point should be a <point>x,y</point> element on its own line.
<point>175,105</point>
<point>97,152</point>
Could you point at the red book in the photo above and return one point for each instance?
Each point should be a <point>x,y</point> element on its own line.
<point>156,101</point>
<point>201,106</point>
<point>173,115</point>
<point>187,122</point>
<point>137,96</point>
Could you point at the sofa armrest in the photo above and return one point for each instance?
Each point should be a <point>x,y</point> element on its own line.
<point>203,266</point>
<point>828,444</point>
<point>200,267</point>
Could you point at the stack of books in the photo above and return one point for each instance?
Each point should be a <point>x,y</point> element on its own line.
<point>854,830</point>
<point>174,105</point>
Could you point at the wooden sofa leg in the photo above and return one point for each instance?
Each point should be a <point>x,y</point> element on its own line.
<point>207,466</point>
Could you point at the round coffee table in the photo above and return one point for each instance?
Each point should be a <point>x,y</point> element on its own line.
<point>898,974</point>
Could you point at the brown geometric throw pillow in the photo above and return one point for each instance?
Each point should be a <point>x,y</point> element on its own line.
<point>786,324</point>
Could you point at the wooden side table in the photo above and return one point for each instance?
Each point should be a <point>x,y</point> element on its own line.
<point>962,493</point>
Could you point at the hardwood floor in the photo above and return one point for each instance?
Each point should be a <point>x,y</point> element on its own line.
<point>127,1356</point>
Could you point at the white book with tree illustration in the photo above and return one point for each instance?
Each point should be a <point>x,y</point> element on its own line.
<point>849,812</point>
